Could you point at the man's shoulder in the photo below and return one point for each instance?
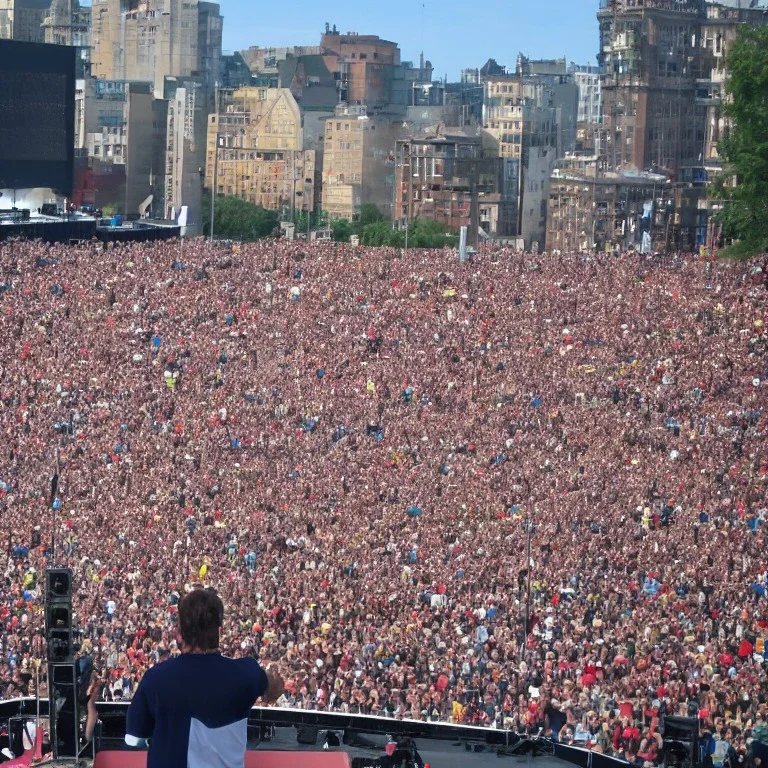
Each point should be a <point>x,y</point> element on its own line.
<point>164,670</point>
<point>245,665</point>
<point>180,665</point>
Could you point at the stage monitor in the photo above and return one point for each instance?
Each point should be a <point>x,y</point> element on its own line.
<point>37,116</point>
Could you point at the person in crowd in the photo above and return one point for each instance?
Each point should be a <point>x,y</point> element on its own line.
<point>193,710</point>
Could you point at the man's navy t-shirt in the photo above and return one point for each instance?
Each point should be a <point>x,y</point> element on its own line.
<point>194,708</point>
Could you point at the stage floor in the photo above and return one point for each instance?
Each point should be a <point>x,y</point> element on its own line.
<point>439,754</point>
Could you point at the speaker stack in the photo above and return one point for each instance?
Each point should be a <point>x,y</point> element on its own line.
<point>62,666</point>
<point>681,742</point>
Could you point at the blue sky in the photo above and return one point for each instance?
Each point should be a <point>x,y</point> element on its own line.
<point>454,33</point>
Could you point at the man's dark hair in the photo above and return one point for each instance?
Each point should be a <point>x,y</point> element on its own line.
<point>201,614</point>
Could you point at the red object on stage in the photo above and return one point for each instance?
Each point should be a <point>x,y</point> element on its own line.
<point>29,754</point>
<point>253,759</point>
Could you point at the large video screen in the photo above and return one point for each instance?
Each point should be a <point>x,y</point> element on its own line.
<point>37,116</point>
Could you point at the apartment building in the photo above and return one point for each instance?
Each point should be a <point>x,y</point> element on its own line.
<point>255,140</point>
<point>365,67</point>
<point>649,66</point>
<point>138,153</point>
<point>448,178</point>
<point>662,65</point>
<point>718,29</point>
<point>184,152</point>
<point>149,40</point>
<point>587,81</point>
<point>23,20</point>
<point>517,112</point>
<point>123,128</point>
<point>358,162</point>
<point>521,125</point>
<point>603,212</point>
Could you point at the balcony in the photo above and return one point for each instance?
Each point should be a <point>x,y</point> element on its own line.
<point>708,96</point>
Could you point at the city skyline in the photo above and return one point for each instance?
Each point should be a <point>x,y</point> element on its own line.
<point>506,28</point>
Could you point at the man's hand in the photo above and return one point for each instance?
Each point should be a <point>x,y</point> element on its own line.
<point>93,691</point>
<point>93,716</point>
<point>276,686</point>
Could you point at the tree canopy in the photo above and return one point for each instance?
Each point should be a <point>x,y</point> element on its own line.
<point>745,148</point>
<point>239,219</point>
<point>374,229</point>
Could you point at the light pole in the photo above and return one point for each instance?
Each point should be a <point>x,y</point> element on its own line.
<point>528,529</point>
<point>215,161</point>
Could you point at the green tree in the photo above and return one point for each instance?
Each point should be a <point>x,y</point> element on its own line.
<point>376,230</point>
<point>425,233</point>
<point>239,219</point>
<point>369,214</point>
<point>341,229</point>
<point>745,149</point>
<point>376,233</point>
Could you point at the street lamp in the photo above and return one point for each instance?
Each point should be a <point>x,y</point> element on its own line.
<point>215,161</point>
<point>528,532</point>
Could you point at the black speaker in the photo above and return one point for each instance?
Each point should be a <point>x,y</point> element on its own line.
<point>306,734</point>
<point>58,614</point>
<point>674,727</point>
<point>681,742</point>
<point>58,620</point>
<point>58,585</point>
<point>65,710</point>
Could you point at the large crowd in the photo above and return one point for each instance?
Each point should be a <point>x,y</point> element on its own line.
<point>526,490</point>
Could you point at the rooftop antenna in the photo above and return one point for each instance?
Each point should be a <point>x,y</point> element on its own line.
<point>422,30</point>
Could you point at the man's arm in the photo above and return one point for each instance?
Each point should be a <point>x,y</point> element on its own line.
<point>140,723</point>
<point>93,715</point>
<point>275,686</point>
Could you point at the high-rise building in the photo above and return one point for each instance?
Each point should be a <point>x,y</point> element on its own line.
<point>60,22</point>
<point>598,211</point>
<point>522,124</point>
<point>314,89</point>
<point>139,153</point>
<point>123,128</point>
<point>255,148</point>
<point>23,20</point>
<point>149,40</point>
<point>448,178</point>
<point>662,72</point>
<point>587,80</point>
<point>649,65</point>
<point>365,67</point>
<point>358,162</point>
<point>563,94</point>
<point>210,27</point>
<point>719,28</point>
<point>67,22</point>
<point>517,112</point>
<point>184,152</point>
